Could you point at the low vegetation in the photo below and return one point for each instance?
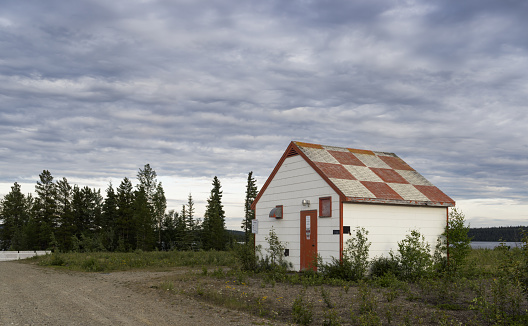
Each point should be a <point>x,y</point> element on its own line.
<point>409,287</point>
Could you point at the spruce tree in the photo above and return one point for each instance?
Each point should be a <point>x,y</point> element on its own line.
<point>66,225</point>
<point>125,211</point>
<point>251,194</point>
<point>213,226</point>
<point>109,218</point>
<point>45,210</point>
<point>14,211</point>
<point>159,207</point>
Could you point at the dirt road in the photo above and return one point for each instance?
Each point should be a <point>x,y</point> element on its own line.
<point>31,295</point>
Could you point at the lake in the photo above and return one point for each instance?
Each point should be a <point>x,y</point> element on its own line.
<point>492,244</point>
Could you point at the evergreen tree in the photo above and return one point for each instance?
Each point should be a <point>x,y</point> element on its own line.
<point>109,218</point>
<point>14,211</point>
<point>67,226</point>
<point>45,210</point>
<point>125,211</point>
<point>159,207</point>
<point>190,237</point>
<point>168,230</point>
<point>213,226</point>
<point>251,194</point>
<point>143,221</point>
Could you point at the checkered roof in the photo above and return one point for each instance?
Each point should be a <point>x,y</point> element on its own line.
<point>370,176</point>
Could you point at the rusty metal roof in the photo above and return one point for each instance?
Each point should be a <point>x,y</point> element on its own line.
<point>370,176</point>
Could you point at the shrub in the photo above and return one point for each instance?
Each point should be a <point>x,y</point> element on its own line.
<point>454,243</point>
<point>414,257</point>
<point>246,255</point>
<point>354,264</point>
<point>302,311</point>
<point>382,266</point>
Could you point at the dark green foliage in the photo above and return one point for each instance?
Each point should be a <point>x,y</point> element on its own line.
<point>498,233</point>
<point>15,213</point>
<point>45,211</point>
<point>414,257</point>
<point>354,264</point>
<point>383,266</point>
<point>213,227</point>
<point>251,194</point>
<point>459,242</point>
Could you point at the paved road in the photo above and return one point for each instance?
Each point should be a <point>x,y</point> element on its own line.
<point>31,295</point>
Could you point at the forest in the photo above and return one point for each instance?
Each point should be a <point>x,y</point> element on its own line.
<point>64,217</point>
<point>500,233</point>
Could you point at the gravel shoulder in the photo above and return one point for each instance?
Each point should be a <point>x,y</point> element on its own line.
<point>33,295</point>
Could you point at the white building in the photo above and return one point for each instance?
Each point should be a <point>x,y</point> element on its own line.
<point>317,195</point>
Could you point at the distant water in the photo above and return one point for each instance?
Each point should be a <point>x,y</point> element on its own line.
<point>492,244</point>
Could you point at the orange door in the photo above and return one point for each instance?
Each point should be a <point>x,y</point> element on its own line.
<point>308,239</point>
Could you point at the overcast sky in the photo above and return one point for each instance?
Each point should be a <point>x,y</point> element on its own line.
<point>94,90</point>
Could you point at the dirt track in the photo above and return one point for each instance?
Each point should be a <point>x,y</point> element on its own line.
<point>31,295</point>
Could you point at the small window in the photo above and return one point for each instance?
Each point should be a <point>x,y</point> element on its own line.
<point>276,212</point>
<point>325,207</point>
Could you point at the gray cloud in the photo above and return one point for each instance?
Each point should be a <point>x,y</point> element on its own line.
<point>97,89</point>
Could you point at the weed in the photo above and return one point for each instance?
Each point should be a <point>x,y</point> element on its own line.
<point>302,311</point>
<point>331,318</point>
<point>326,298</point>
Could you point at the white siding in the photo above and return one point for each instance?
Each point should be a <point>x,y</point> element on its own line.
<point>389,224</point>
<point>294,181</point>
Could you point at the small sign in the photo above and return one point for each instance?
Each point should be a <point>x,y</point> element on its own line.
<point>336,231</point>
<point>254,226</point>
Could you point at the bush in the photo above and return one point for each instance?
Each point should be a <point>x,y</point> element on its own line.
<point>246,255</point>
<point>454,243</point>
<point>414,257</point>
<point>302,311</point>
<point>382,266</point>
<point>354,265</point>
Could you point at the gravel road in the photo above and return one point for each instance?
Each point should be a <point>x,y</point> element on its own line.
<point>32,295</point>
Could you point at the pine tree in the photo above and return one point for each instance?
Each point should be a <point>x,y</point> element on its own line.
<point>213,231</point>
<point>190,225</point>
<point>67,226</point>
<point>45,210</point>
<point>143,221</point>
<point>159,207</point>
<point>109,218</point>
<point>125,211</point>
<point>251,194</point>
<point>14,211</point>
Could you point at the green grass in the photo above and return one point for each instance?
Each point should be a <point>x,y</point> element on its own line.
<point>116,261</point>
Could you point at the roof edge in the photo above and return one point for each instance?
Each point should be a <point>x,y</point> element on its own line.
<point>398,202</point>
<point>288,153</point>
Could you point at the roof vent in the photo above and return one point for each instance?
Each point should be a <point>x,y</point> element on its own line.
<point>292,152</point>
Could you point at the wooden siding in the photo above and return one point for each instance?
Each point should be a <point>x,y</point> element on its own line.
<point>389,224</point>
<point>294,181</point>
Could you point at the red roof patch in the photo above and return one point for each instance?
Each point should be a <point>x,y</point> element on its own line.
<point>346,158</point>
<point>334,171</point>
<point>381,190</point>
<point>434,194</point>
<point>389,175</point>
<point>396,163</point>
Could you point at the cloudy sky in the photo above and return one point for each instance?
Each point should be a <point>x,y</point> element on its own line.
<point>92,90</point>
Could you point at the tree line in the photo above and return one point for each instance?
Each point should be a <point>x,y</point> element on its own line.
<point>65,217</point>
<point>500,233</point>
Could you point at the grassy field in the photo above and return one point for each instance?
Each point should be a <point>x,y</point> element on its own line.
<point>481,293</point>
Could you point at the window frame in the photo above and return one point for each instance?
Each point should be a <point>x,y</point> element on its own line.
<point>322,200</point>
